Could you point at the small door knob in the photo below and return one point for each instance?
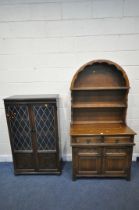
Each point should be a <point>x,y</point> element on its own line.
<point>117,140</point>
<point>77,140</point>
<point>88,141</point>
<point>102,139</point>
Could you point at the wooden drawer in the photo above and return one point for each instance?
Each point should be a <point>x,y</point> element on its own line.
<point>118,139</point>
<point>87,140</point>
<point>102,139</point>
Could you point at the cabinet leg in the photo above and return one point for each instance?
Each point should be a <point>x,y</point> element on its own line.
<point>128,178</point>
<point>73,178</point>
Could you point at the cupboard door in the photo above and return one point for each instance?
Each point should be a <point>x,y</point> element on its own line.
<point>45,123</point>
<point>20,133</point>
<point>115,161</point>
<point>87,162</point>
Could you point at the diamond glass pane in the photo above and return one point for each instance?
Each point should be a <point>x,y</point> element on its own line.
<point>45,127</point>
<point>20,127</point>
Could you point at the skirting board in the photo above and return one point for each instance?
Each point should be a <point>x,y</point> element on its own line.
<point>66,157</point>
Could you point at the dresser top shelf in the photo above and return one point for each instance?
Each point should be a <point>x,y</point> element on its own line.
<point>100,129</point>
<point>99,88</point>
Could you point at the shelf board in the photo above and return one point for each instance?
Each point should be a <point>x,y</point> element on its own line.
<point>98,105</point>
<point>100,88</point>
<point>96,122</point>
<point>100,129</point>
<point>102,144</point>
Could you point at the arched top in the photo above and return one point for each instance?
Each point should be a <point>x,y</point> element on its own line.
<point>100,73</point>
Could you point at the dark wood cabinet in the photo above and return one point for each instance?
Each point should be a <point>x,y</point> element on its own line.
<point>34,136</point>
<point>101,141</point>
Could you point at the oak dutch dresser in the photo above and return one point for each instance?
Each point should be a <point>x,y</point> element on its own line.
<point>101,141</point>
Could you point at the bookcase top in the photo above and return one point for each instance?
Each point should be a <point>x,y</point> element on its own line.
<point>32,97</point>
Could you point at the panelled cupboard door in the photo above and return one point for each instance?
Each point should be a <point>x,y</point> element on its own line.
<point>116,161</point>
<point>87,161</point>
<point>46,135</point>
<point>20,135</point>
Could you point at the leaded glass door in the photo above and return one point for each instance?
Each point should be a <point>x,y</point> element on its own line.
<point>33,131</point>
<point>46,135</point>
<point>20,135</point>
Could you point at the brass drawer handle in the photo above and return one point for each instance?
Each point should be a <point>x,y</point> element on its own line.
<point>77,140</point>
<point>88,141</point>
<point>102,139</point>
<point>117,141</point>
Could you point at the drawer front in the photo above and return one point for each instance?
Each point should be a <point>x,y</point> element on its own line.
<point>118,139</point>
<point>102,139</point>
<point>87,140</point>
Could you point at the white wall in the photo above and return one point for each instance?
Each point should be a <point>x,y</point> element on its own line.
<point>44,42</point>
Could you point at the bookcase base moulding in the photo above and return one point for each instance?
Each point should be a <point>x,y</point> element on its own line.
<point>34,135</point>
<point>102,143</point>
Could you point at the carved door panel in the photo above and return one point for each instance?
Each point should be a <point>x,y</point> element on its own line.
<point>88,162</point>
<point>115,161</point>
<point>45,125</point>
<point>20,133</point>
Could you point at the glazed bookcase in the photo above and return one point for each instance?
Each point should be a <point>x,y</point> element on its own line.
<point>33,124</point>
<point>101,141</point>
